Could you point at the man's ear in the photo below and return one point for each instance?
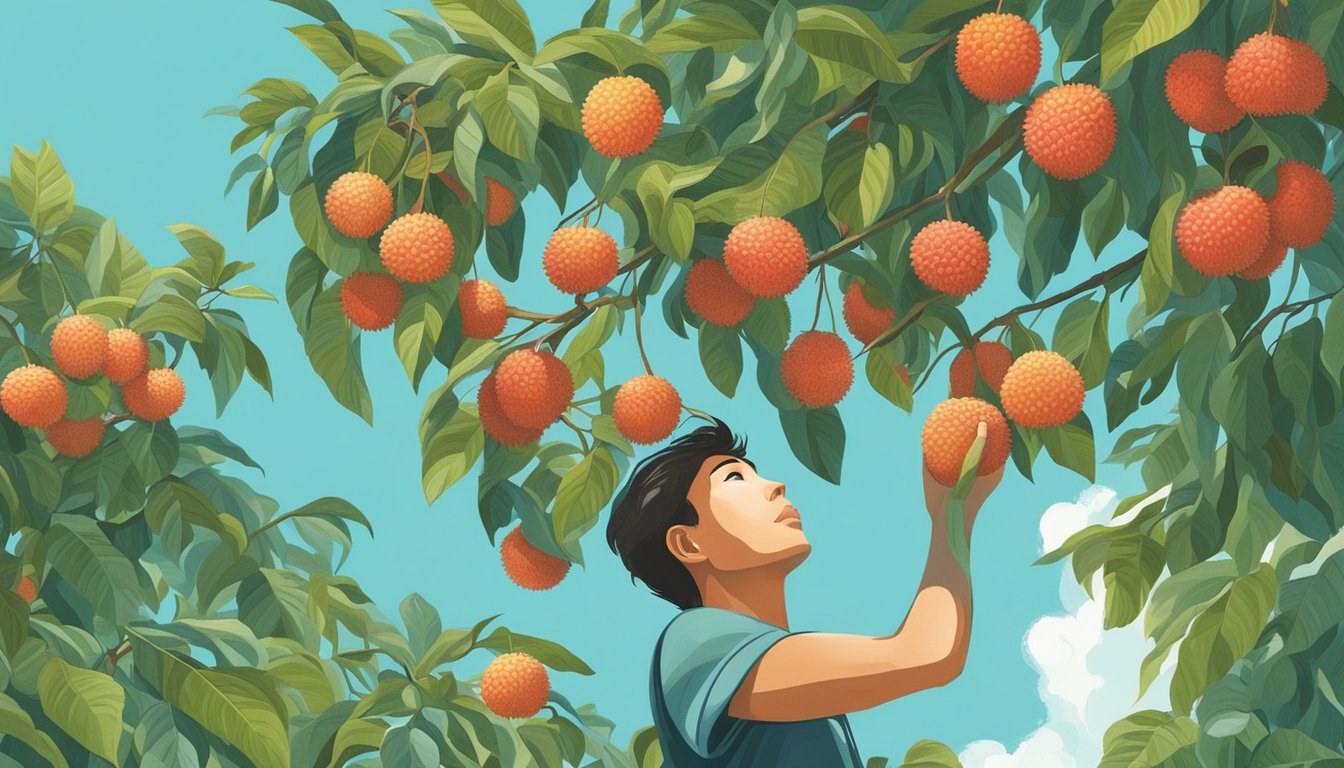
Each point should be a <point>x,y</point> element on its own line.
<point>681,543</point>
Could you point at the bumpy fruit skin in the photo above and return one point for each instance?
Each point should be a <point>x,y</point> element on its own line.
<point>1070,130</point>
<point>1042,389</point>
<point>484,312</point>
<point>371,301</point>
<point>33,396</point>
<point>1196,93</point>
<point>1302,205</point>
<point>990,357</point>
<point>766,255</point>
<point>27,590</point>
<point>580,260</point>
<point>79,346</point>
<point>515,685</point>
<point>358,204</point>
<point>127,355</point>
<point>998,56</point>
<point>1267,264</point>
<point>1275,75</point>
<point>864,320</point>
<point>417,248</point>
<point>495,423</point>
<point>529,567</point>
<point>75,438</point>
<point>1224,232</point>
<point>816,369</point>
<point>950,430</point>
<point>950,256</point>
<point>646,409</point>
<point>500,203</point>
<point>156,395</point>
<point>713,294</point>
<point>534,387</point>
<point>622,116</point>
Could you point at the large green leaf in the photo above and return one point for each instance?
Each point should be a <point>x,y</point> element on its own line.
<point>85,704</point>
<point>41,187</point>
<point>1222,634</point>
<point>79,550</point>
<point>1146,739</point>
<point>17,723</point>
<point>927,753</point>
<point>499,25</point>
<point>721,356</point>
<point>817,437</point>
<point>1291,748</point>
<point>449,446</point>
<point>1312,605</point>
<point>584,491</point>
<point>334,354</point>
<point>551,654</point>
<point>849,36</point>
<point>1137,25</point>
<point>409,747</point>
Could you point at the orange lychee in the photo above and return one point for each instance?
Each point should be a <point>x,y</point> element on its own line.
<point>417,248</point>
<point>26,589</point>
<point>622,116</point>
<point>998,56</point>
<point>580,259</point>
<point>75,438</point>
<point>1196,94</point>
<point>484,312</point>
<point>1223,232</point>
<point>495,423</point>
<point>1042,389</point>
<point>33,396</point>
<point>1070,130</point>
<point>951,429</point>
<point>817,369</point>
<point>500,203</point>
<point>1275,75</point>
<point>950,256</point>
<point>358,204</point>
<point>713,294</point>
<point>529,567</point>
<point>1302,205</point>
<point>865,320</point>
<point>534,387</point>
<point>515,685</point>
<point>1268,262</point>
<point>155,395</point>
<point>127,355</point>
<point>766,256</point>
<point>1313,82</point>
<point>646,409</point>
<point>370,300</point>
<point>989,360</point>
<point>79,346</point>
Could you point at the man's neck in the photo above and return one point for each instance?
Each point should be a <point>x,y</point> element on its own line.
<point>757,592</point>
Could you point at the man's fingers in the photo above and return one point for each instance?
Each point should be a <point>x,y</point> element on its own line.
<point>982,430</point>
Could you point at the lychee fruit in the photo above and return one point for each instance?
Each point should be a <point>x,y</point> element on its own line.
<point>1301,206</point>
<point>1223,232</point>
<point>417,248</point>
<point>75,438</point>
<point>534,387</point>
<point>713,294</point>
<point>766,256</point>
<point>529,567</point>
<point>646,409</point>
<point>865,320</point>
<point>859,124</point>
<point>358,204</point>
<point>1196,94</point>
<point>484,312</point>
<point>127,355</point>
<point>371,301</point>
<point>998,56</point>
<point>1275,75</point>
<point>499,203</point>
<point>622,116</point>
<point>951,429</point>
<point>495,423</point>
<point>155,395</point>
<point>988,359</point>
<point>1042,389</point>
<point>817,369</point>
<point>515,685</point>
<point>456,187</point>
<point>579,260</point>
<point>33,396</point>
<point>79,345</point>
<point>1267,264</point>
<point>1070,130</point>
<point>950,257</point>
<point>27,590</point>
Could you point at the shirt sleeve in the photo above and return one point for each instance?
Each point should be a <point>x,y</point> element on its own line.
<point>705,656</point>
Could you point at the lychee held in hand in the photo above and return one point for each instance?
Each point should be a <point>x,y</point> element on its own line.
<point>950,431</point>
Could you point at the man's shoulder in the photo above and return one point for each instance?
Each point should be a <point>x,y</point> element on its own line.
<point>696,631</point>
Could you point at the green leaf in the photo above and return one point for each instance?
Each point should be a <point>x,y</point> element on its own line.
<point>511,114</point>
<point>1103,216</point>
<point>721,356</point>
<point>583,492</point>
<point>81,553</point>
<point>817,437</point>
<point>1081,336</point>
<point>877,184</point>
<point>330,509</point>
<point>409,747</point>
<point>551,654</point>
<point>887,381</point>
<point>115,270</point>
<point>1071,446</point>
<point>849,36</point>
<point>41,187</point>
<point>617,49</point>
<point>1222,634</point>
<point>173,502</point>
<point>262,198</point>
<point>1134,561</point>
<point>173,314</point>
<point>1146,739</point>
<point>498,25</point>
<point>450,451</point>
<point>325,45</point>
<point>1312,605</point>
<point>1291,748</point>
<point>15,722</point>
<point>678,229</point>
<point>419,325</point>
<point>85,704</point>
<point>596,15</point>
<point>334,354</point>
<point>1137,25</point>
<point>1240,399</point>
<point>1156,274</point>
<point>927,753</point>
<point>718,27</point>
<point>449,646</point>
<point>207,255</point>
<point>274,603</point>
<point>784,175</point>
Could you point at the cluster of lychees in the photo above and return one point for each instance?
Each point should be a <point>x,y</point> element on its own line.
<point>35,396</point>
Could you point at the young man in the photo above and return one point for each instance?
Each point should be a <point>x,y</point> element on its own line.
<point>731,685</point>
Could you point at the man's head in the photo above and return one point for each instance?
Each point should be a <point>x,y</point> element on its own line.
<point>698,507</point>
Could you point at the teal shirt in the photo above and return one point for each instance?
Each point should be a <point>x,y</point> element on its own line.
<point>700,661</point>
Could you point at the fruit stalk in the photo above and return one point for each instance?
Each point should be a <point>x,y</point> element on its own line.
<point>15,333</point>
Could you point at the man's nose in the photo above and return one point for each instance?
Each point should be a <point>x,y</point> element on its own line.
<point>774,491</point>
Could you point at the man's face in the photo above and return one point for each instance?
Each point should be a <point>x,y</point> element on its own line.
<point>745,519</point>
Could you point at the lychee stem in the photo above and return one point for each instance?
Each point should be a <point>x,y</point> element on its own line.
<point>583,441</point>
<point>639,334</point>
<point>429,154</point>
<point>14,332</point>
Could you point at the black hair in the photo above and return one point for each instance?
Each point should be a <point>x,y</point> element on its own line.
<point>654,499</point>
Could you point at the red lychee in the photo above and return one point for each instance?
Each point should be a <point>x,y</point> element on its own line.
<point>766,256</point>
<point>1196,93</point>
<point>817,369</point>
<point>998,56</point>
<point>1224,232</point>
<point>713,294</point>
<point>1070,130</point>
<point>371,301</point>
<point>950,256</point>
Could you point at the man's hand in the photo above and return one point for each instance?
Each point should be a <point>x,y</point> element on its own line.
<point>937,495</point>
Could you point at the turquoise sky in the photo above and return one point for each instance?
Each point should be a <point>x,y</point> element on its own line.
<point>119,89</point>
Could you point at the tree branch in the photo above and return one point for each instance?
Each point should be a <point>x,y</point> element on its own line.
<point>1099,279</point>
<point>1287,309</point>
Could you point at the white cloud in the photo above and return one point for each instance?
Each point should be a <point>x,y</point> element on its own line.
<point>1088,675</point>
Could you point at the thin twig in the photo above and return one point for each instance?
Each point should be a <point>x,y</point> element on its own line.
<point>15,333</point>
<point>1288,309</point>
<point>1101,278</point>
<point>639,333</point>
